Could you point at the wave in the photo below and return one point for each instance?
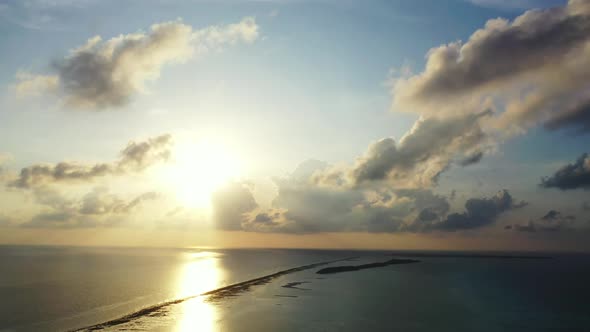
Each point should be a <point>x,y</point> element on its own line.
<point>213,295</point>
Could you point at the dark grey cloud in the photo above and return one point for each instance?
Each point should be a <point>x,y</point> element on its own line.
<point>552,221</point>
<point>134,158</point>
<point>107,74</point>
<point>36,175</point>
<point>536,68</point>
<point>551,215</point>
<point>576,117</point>
<point>570,176</point>
<point>474,158</point>
<point>479,212</point>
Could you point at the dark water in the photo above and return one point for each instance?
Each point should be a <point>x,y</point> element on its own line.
<point>55,289</point>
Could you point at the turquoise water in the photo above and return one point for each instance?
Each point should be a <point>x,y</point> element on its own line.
<point>54,289</point>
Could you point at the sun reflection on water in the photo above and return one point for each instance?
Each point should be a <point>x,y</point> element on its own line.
<point>200,274</point>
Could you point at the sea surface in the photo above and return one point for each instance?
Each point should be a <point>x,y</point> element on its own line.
<point>139,289</point>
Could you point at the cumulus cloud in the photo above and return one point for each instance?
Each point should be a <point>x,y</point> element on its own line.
<point>97,208</point>
<point>136,157</point>
<point>230,204</point>
<point>421,155</point>
<point>302,207</point>
<point>570,176</point>
<point>105,74</point>
<point>479,212</point>
<point>535,68</point>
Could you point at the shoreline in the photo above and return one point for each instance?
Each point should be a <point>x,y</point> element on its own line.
<point>213,295</point>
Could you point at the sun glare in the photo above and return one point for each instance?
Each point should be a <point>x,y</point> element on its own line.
<point>201,273</point>
<point>198,169</point>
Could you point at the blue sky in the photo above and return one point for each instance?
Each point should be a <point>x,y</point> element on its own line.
<point>316,82</point>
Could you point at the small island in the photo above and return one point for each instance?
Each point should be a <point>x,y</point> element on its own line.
<point>348,268</point>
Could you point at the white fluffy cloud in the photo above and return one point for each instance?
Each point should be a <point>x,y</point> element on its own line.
<point>421,155</point>
<point>533,70</point>
<point>104,74</point>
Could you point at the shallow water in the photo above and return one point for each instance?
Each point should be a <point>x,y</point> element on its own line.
<point>47,289</point>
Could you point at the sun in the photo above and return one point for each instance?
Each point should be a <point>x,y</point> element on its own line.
<point>197,169</point>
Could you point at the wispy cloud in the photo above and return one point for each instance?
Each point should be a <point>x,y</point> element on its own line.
<point>97,208</point>
<point>135,157</point>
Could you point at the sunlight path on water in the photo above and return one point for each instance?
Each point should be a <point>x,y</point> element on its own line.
<point>200,274</point>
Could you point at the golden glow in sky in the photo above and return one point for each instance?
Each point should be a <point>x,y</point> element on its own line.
<point>197,169</point>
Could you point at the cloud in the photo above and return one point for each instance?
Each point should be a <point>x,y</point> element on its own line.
<point>421,155</point>
<point>570,176</point>
<point>103,74</point>
<point>577,117</point>
<point>479,212</point>
<point>97,208</point>
<point>136,157</point>
<point>230,204</point>
<point>471,159</point>
<point>552,221</point>
<point>100,202</point>
<point>535,68</point>
<point>302,207</point>
<point>29,84</point>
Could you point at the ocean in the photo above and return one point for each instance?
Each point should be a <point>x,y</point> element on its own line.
<point>139,289</point>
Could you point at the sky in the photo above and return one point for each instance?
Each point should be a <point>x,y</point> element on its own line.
<point>456,125</point>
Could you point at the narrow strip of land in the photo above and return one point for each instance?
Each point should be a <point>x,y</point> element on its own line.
<point>349,268</point>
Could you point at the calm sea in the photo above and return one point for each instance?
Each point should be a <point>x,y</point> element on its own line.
<point>61,289</point>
